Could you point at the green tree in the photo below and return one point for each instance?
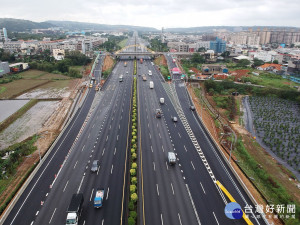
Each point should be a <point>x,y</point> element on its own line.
<point>197,58</point>
<point>243,63</point>
<point>257,62</point>
<point>275,61</point>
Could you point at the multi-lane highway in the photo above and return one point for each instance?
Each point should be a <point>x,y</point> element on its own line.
<point>100,135</point>
<point>185,193</point>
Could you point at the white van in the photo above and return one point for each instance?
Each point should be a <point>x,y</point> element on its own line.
<point>150,73</point>
<point>151,84</point>
<point>171,158</point>
<point>161,100</point>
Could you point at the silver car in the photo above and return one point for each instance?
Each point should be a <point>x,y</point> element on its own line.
<point>95,166</point>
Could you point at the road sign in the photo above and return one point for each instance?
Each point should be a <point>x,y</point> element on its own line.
<point>169,78</point>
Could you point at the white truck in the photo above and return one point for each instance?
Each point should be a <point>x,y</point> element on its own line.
<point>151,84</point>
<point>75,209</point>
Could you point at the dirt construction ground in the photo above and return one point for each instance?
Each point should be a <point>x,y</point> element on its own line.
<point>210,125</point>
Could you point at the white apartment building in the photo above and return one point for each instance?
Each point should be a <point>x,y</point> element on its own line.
<point>58,54</point>
<point>266,56</point>
<point>203,44</point>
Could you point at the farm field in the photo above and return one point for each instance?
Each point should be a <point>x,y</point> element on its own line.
<point>18,87</point>
<point>28,124</point>
<point>277,125</point>
<point>9,107</point>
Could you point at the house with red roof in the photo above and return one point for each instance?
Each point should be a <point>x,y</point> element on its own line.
<point>176,70</point>
<point>270,67</point>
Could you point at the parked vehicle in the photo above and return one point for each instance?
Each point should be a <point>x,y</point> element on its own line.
<point>158,113</point>
<point>75,209</point>
<point>171,158</point>
<point>151,84</point>
<point>162,101</point>
<point>98,200</point>
<point>97,87</point>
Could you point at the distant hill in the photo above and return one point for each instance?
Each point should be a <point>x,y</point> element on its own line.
<point>72,25</point>
<point>22,25</point>
<point>208,29</point>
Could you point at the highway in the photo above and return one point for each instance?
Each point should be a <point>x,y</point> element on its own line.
<point>185,193</point>
<point>164,193</point>
<point>102,135</point>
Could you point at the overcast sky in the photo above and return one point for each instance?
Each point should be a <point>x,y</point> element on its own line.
<point>158,13</point>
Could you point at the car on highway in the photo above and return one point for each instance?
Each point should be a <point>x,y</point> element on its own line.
<point>95,166</point>
<point>174,119</point>
<point>192,108</point>
<point>171,158</point>
<point>144,78</point>
<point>158,113</point>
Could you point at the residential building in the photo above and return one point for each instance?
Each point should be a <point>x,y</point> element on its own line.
<point>294,66</point>
<point>219,46</point>
<point>209,69</point>
<point>58,54</point>
<point>270,67</point>
<point>3,35</point>
<point>4,68</point>
<point>202,44</point>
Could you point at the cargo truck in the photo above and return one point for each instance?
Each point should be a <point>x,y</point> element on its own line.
<point>151,84</point>
<point>75,209</point>
<point>98,200</point>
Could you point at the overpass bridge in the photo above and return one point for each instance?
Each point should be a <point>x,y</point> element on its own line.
<point>131,51</point>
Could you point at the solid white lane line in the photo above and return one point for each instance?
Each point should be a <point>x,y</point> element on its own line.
<point>52,216</point>
<point>154,166</point>
<point>192,165</point>
<point>151,148</point>
<point>216,218</point>
<point>172,189</point>
<point>107,193</point>
<point>179,219</point>
<point>157,189</point>
<point>80,185</point>
<point>202,188</point>
<point>112,167</point>
<point>148,124</point>
<point>65,186</point>
<point>92,194</point>
<point>102,221</point>
<point>75,164</point>
<point>37,212</point>
<point>119,129</point>
<point>161,218</point>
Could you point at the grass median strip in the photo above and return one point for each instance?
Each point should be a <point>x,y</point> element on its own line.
<point>133,198</point>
